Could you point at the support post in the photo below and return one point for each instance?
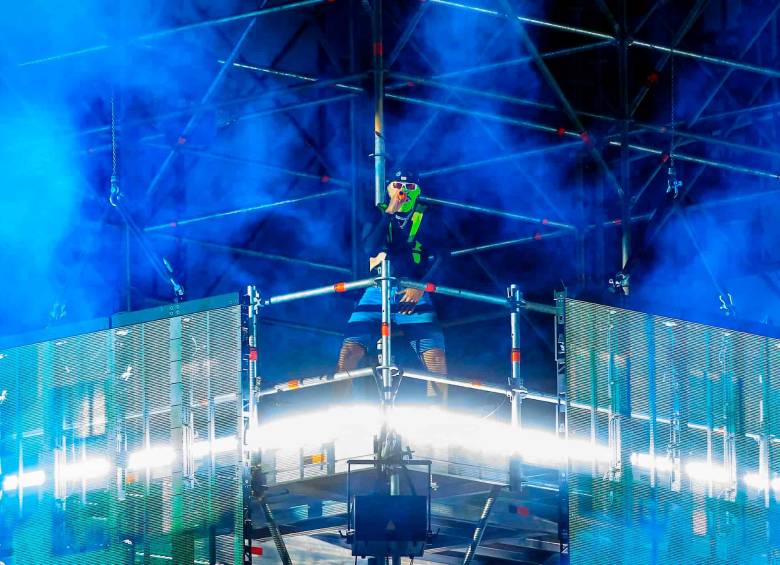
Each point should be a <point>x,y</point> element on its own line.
<point>519,392</point>
<point>379,105</point>
<point>561,425</point>
<point>385,282</point>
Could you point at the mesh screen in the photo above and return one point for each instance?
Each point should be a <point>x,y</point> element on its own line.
<point>121,446</point>
<point>685,464</point>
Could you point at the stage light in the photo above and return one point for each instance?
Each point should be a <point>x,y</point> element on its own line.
<point>702,472</point>
<point>756,481</point>
<point>221,445</point>
<point>92,468</point>
<point>424,426</point>
<point>761,482</point>
<point>27,480</point>
<point>647,461</point>
<point>158,456</point>
<point>315,428</point>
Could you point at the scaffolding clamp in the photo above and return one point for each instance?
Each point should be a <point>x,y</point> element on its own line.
<point>515,297</point>
<point>520,392</point>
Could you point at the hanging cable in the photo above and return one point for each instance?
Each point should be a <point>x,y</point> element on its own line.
<point>161,265</point>
<point>673,184</point>
<point>113,197</point>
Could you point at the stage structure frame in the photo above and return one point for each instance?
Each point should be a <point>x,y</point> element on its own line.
<point>388,446</point>
<point>380,82</point>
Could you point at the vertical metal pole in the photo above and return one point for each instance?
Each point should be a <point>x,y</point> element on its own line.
<point>675,420</point>
<point>625,197</point>
<point>182,541</point>
<point>709,409</point>
<point>387,351</point>
<point>391,442</point>
<point>353,150</point>
<point>562,425</point>
<point>379,105</point>
<point>518,390</point>
<point>764,455</point>
<point>147,446</point>
<point>615,408</point>
<point>652,390</point>
<point>730,408</point>
<point>651,399</point>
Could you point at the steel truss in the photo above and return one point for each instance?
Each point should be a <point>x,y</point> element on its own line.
<point>356,86</point>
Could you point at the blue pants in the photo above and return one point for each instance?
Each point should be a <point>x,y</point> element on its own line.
<point>421,327</point>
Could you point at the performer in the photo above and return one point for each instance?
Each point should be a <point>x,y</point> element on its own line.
<point>396,236</point>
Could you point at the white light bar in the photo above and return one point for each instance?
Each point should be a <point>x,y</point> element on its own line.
<point>28,480</point>
<point>221,445</point>
<point>91,468</point>
<point>761,482</point>
<point>700,471</point>
<point>647,461</point>
<point>158,456</point>
<point>424,426</point>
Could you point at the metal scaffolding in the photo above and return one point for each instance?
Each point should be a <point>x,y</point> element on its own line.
<point>373,69</point>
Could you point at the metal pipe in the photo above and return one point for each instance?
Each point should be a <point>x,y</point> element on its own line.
<point>479,530</point>
<point>299,76</point>
<point>774,73</point>
<point>594,151</point>
<point>319,291</point>
<point>172,31</point>
<point>308,382</point>
<point>510,242</point>
<point>456,292</point>
<point>493,160</point>
<point>481,114</point>
<point>495,212</point>
<point>524,19</point>
<point>253,163</point>
<point>702,161</point>
<point>605,36</point>
<point>258,254</point>
<point>269,205</point>
<point>193,119</point>
<point>521,60</point>
<point>516,300</point>
<point>641,126</point>
<point>518,390</point>
<point>743,52</point>
<point>379,104</point>
<point>774,106</point>
<point>385,283</point>
<point>451,380</point>
<point>156,119</point>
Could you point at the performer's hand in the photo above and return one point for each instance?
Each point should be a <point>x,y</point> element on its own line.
<point>376,260</point>
<point>396,199</point>
<point>409,299</point>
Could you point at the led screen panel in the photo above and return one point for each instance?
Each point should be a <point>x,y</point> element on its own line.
<point>682,420</point>
<point>122,446</point>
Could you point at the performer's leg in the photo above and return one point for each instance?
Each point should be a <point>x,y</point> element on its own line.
<point>350,355</point>
<point>427,340</point>
<point>353,350</point>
